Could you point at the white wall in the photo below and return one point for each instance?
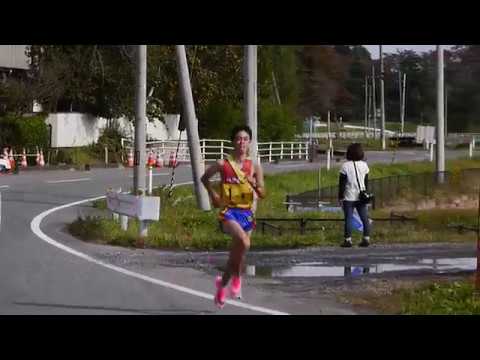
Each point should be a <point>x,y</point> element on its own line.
<point>76,129</point>
<point>13,56</point>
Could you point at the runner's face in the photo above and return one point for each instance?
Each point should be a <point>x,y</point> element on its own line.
<point>242,142</point>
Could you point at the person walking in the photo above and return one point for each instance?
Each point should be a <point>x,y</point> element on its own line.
<point>353,180</point>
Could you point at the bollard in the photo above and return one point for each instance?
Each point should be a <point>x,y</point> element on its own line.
<point>124,222</point>
<point>143,229</point>
<point>328,159</point>
<point>250,270</point>
<point>115,216</point>
<point>431,151</point>
<point>150,180</point>
<point>106,156</point>
<point>470,150</point>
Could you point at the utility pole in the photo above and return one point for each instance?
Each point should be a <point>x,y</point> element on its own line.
<point>440,115</point>
<point>250,95</point>
<point>366,107</point>
<point>382,98</point>
<point>404,97</point>
<point>328,125</point>
<point>139,173</point>
<point>275,88</point>
<point>446,112</point>
<point>198,165</point>
<point>374,104</point>
<point>369,97</point>
<point>400,98</point>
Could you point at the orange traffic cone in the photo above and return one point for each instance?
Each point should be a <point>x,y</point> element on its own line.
<point>130,158</point>
<point>41,161</point>
<point>24,158</point>
<point>37,159</point>
<point>159,162</point>
<point>11,159</point>
<point>151,159</point>
<point>172,162</point>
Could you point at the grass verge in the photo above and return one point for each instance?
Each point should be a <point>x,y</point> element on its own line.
<point>183,226</point>
<point>439,297</point>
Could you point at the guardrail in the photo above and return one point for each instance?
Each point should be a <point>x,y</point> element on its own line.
<point>390,188</point>
<point>213,149</point>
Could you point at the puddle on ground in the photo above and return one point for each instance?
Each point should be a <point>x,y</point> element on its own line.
<point>323,269</point>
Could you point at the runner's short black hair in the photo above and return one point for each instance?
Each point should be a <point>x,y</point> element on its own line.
<point>239,128</point>
<point>355,152</point>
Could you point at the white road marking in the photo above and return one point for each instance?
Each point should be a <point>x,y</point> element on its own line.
<point>131,176</point>
<point>35,227</point>
<point>67,181</point>
<point>290,165</point>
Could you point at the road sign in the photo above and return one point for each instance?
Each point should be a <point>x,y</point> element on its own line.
<point>140,207</point>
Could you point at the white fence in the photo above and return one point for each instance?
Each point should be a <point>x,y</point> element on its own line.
<point>213,149</point>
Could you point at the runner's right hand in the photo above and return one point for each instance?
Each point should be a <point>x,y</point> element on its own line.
<point>216,200</point>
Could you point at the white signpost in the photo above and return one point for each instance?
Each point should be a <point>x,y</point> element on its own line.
<point>143,208</point>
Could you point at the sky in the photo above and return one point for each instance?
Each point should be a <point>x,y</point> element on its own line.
<point>393,48</point>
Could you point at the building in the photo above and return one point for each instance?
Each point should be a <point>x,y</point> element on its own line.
<point>13,58</point>
<point>14,63</point>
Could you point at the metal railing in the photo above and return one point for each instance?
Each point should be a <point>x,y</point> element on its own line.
<point>213,149</point>
<point>390,188</point>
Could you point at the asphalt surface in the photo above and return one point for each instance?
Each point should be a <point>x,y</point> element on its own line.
<point>38,278</point>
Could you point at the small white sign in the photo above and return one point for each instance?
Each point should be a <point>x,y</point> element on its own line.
<point>140,207</point>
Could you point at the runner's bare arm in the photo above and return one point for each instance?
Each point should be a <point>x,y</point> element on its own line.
<point>258,184</point>
<point>209,173</point>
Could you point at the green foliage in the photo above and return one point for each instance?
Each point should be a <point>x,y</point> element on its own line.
<point>183,225</point>
<point>110,138</point>
<point>276,122</point>
<point>457,298</point>
<point>27,132</point>
<point>75,156</point>
<point>219,119</point>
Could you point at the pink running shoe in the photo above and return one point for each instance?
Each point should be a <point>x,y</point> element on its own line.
<point>220,295</point>
<point>236,287</point>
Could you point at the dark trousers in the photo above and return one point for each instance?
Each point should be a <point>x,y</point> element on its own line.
<point>348,207</point>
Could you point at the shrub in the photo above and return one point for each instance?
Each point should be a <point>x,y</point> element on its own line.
<point>27,132</point>
<point>276,122</point>
<point>218,119</point>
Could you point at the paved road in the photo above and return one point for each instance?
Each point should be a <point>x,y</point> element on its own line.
<point>38,278</point>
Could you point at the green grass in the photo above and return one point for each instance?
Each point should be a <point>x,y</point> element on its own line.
<point>389,125</point>
<point>183,226</point>
<point>392,126</point>
<point>420,297</point>
<point>457,298</point>
<point>80,156</point>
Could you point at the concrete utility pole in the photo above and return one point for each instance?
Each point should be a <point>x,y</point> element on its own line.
<point>198,165</point>
<point>275,88</point>
<point>139,173</point>
<point>404,97</point>
<point>382,98</point>
<point>440,114</point>
<point>366,107</point>
<point>374,104</point>
<point>328,125</point>
<point>446,112</point>
<point>250,94</point>
<point>401,90</point>
<point>370,114</point>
